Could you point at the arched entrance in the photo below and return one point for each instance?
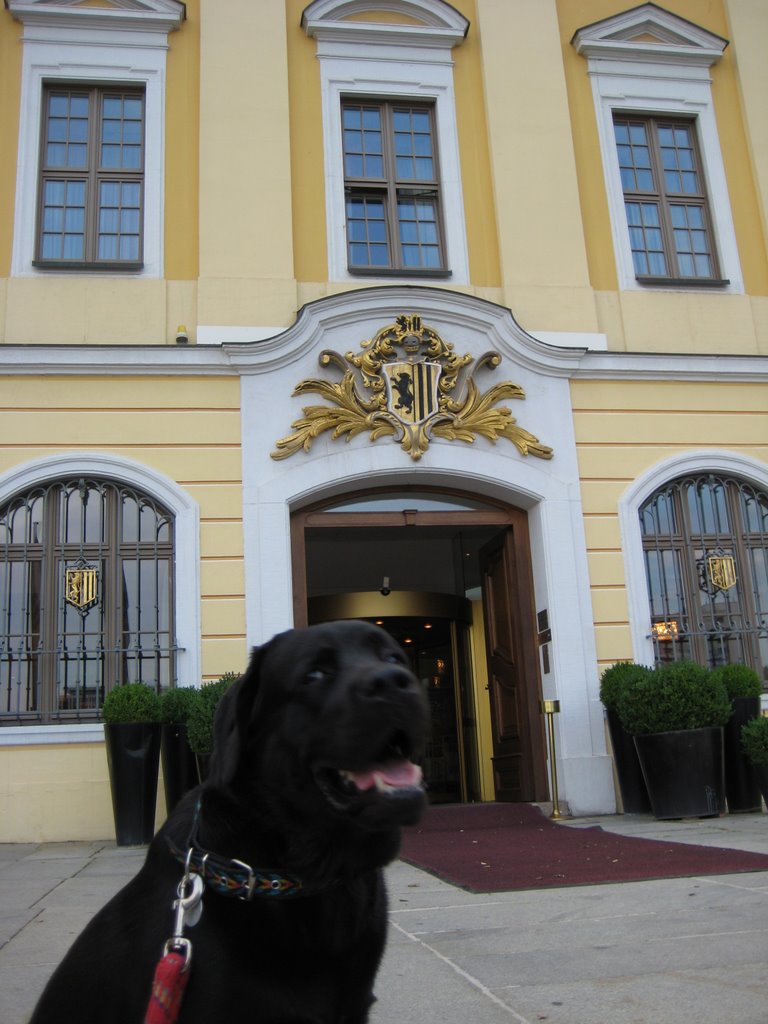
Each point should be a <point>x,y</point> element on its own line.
<point>409,554</point>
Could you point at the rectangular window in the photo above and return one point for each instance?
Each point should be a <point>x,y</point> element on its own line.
<point>392,188</point>
<point>91,178</point>
<point>665,200</point>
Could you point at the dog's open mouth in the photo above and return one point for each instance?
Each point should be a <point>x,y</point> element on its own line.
<point>389,775</point>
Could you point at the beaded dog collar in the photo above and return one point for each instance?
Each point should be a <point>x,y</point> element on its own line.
<point>232,877</point>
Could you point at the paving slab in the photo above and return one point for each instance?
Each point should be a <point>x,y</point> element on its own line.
<point>671,951</point>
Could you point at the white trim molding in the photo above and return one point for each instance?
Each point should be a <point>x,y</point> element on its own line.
<point>705,460</point>
<point>51,735</point>
<point>649,33</point>
<point>161,15</point>
<point>649,61</point>
<point>432,22</point>
<point>125,41</point>
<point>390,60</point>
<point>186,533</point>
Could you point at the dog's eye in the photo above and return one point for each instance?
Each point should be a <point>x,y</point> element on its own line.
<point>395,659</point>
<point>317,675</point>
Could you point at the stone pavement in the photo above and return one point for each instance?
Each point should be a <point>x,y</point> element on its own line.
<point>674,951</point>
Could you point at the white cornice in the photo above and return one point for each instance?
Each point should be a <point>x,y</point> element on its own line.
<point>649,33</point>
<point>431,23</point>
<point>261,357</point>
<point>675,367</point>
<point>318,320</point>
<point>113,360</point>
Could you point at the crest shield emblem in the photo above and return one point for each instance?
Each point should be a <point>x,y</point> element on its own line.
<point>412,389</point>
<point>81,587</point>
<point>722,571</point>
<point>408,383</point>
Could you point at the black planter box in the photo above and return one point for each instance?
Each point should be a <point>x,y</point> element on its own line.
<point>133,756</point>
<point>179,765</point>
<point>742,790</point>
<point>634,795</point>
<point>684,772</point>
<point>203,762</point>
<point>761,773</point>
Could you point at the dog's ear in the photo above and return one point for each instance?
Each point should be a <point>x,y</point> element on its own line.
<point>234,714</point>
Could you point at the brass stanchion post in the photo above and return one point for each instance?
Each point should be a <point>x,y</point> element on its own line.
<point>550,709</point>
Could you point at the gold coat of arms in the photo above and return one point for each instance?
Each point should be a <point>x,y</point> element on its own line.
<point>81,586</point>
<point>408,384</point>
<point>721,571</point>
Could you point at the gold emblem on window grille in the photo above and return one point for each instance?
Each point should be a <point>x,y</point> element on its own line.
<point>409,384</point>
<point>81,586</point>
<point>721,570</point>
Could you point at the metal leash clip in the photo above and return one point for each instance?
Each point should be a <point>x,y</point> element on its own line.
<point>187,911</point>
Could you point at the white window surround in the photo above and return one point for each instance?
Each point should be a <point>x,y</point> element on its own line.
<point>125,44</point>
<point>389,61</point>
<point>186,565</point>
<point>690,464</point>
<point>648,61</point>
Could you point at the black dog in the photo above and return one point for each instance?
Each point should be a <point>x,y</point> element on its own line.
<point>310,781</point>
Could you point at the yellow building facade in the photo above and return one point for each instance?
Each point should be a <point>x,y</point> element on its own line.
<point>511,256</point>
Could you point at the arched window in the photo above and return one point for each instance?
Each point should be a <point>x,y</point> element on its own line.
<point>86,597</point>
<point>705,544</point>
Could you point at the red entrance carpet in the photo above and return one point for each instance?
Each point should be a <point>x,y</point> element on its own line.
<point>501,847</point>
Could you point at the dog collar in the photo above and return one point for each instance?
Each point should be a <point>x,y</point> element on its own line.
<point>232,877</point>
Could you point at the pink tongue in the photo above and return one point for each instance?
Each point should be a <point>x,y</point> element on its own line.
<point>397,774</point>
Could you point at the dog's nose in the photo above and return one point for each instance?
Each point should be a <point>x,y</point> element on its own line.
<point>387,680</point>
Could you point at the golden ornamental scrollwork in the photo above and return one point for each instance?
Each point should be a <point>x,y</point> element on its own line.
<point>408,383</point>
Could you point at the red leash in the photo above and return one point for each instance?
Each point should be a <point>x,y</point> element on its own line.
<point>168,986</point>
<point>172,972</point>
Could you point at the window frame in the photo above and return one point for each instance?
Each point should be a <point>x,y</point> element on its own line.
<point>186,565</point>
<point>649,62</point>
<point>665,199</point>
<point>391,187</point>
<point>110,650</point>
<point>409,62</point>
<point>94,174</point>
<point>94,46</point>
<point>705,461</point>
<point>701,516</point>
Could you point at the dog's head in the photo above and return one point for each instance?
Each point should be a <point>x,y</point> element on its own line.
<point>326,724</point>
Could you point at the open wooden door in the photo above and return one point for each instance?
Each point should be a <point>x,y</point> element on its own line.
<point>519,758</point>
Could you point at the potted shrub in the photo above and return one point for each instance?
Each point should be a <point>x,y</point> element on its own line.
<point>754,741</point>
<point>131,715</point>
<point>676,715</point>
<point>614,680</point>
<point>744,688</point>
<point>179,766</point>
<point>200,724</point>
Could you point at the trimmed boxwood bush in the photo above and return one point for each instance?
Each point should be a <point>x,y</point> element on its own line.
<point>615,680</point>
<point>200,724</point>
<point>754,742</point>
<point>176,704</point>
<point>681,695</point>
<point>739,680</point>
<point>132,702</point>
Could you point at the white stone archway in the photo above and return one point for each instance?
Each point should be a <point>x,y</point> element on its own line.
<point>547,489</point>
